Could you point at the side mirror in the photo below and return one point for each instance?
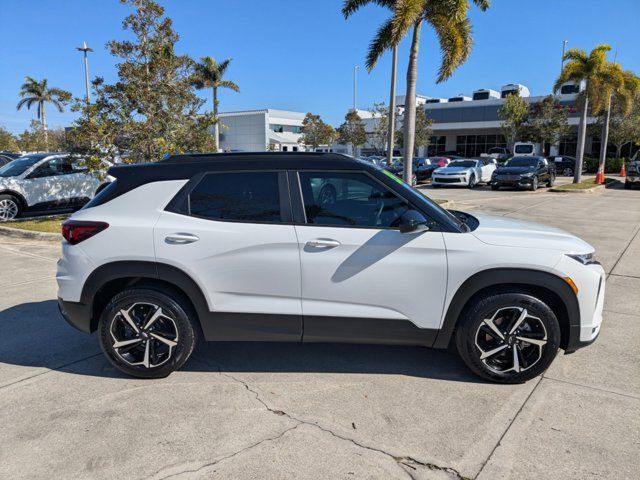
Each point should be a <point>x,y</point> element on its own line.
<point>413,221</point>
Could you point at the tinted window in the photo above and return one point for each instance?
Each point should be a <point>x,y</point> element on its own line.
<point>523,149</point>
<point>463,163</point>
<point>244,197</point>
<point>351,199</point>
<point>522,162</point>
<point>53,167</point>
<point>19,166</point>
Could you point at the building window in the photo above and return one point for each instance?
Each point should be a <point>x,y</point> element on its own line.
<point>277,128</point>
<point>437,145</point>
<point>475,145</point>
<point>568,146</point>
<point>296,129</point>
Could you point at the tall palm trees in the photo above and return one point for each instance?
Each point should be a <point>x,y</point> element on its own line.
<point>591,69</point>
<point>449,19</point>
<point>210,74</point>
<point>37,92</point>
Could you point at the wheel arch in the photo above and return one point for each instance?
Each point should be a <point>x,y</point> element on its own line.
<point>109,279</point>
<point>19,196</point>
<point>550,288</point>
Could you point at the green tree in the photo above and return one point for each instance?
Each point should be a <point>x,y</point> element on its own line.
<point>352,131</point>
<point>588,68</point>
<point>37,139</point>
<point>380,135</point>
<point>8,141</point>
<point>152,109</point>
<point>210,74</point>
<point>423,131</point>
<point>316,132</point>
<point>548,121</point>
<point>625,128</point>
<point>34,92</point>
<point>514,114</point>
<point>450,21</point>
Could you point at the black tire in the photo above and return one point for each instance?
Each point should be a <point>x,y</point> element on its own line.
<point>472,181</point>
<point>10,207</point>
<point>414,180</point>
<point>568,172</point>
<point>534,184</point>
<point>627,185</point>
<point>552,181</point>
<point>503,309</point>
<point>495,187</point>
<point>178,317</point>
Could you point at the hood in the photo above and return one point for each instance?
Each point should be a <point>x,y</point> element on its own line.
<point>509,232</point>
<point>502,170</point>
<point>452,170</point>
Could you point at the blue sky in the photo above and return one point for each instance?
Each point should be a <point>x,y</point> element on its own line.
<point>299,54</point>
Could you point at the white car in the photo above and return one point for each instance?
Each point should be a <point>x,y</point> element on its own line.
<point>45,182</point>
<point>243,247</point>
<point>464,172</point>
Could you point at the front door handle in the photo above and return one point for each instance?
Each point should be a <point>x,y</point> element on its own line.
<point>323,243</point>
<point>181,239</point>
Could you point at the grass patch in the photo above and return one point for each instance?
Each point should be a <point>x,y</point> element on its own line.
<point>38,224</point>
<point>585,185</point>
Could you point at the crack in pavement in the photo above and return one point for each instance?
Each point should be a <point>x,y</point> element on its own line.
<point>406,461</point>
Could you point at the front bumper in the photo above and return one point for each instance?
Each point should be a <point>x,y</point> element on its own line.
<point>520,182</point>
<point>78,315</point>
<point>632,178</point>
<point>450,180</point>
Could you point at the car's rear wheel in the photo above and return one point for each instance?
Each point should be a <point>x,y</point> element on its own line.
<point>495,187</point>
<point>568,172</point>
<point>508,337</point>
<point>147,333</point>
<point>9,207</point>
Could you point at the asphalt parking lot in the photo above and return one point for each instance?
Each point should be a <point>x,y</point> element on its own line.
<point>326,411</point>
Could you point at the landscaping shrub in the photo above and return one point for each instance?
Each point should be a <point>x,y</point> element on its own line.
<point>612,165</point>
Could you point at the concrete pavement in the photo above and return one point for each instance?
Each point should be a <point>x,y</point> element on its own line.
<point>326,411</point>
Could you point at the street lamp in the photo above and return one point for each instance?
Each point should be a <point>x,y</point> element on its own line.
<point>85,49</point>
<point>355,86</point>
<point>564,47</point>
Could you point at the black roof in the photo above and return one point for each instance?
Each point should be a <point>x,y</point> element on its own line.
<point>179,167</point>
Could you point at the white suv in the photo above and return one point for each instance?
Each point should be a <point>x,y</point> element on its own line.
<point>42,182</point>
<point>249,247</point>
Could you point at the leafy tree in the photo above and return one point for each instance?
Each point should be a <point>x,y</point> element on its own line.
<point>37,139</point>
<point>423,131</point>
<point>514,114</point>
<point>589,68</point>
<point>625,128</point>
<point>548,121</point>
<point>316,132</point>
<point>449,19</point>
<point>210,74</point>
<point>352,131</point>
<point>34,92</point>
<point>380,134</point>
<point>152,109</point>
<point>8,141</point>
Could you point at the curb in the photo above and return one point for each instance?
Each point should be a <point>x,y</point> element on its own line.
<point>29,235</point>
<point>583,190</point>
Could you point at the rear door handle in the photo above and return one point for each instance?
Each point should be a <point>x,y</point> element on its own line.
<point>323,243</point>
<point>181,239</point>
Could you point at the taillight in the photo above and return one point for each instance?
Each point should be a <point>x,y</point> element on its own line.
<point>76,231</point>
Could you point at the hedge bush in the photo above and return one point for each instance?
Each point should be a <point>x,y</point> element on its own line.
<point>611,165</point>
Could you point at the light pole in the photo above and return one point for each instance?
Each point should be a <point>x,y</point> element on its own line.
<point>392,107</point>
<point>85,49</point>
<point>564,47</point>
<point>355,87</point>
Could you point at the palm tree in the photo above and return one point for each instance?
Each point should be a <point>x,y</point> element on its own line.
<point>37,92</point>
<point>449,19</point>
<point>210,74</point>
<point>618,89</point>
<point>591,69</point>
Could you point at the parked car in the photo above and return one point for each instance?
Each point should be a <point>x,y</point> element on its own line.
<point>237,247</point>
<point>633,172</point>
<point>421,169</point>
<point>44,182</point>
<point>4,159</point>
<point>524,172</point>
<point>466,173</point>
<point>566,165</point>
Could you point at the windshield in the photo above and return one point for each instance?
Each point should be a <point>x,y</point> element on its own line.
<point>524,149</point>
<point>462,163</point>
<point>19,166</point>
<point>522,162</point>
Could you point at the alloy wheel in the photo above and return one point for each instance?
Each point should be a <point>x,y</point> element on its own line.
<point>144,335</point>
<point>568,172</point>
<point>8,209</point>
<point>511,340</point>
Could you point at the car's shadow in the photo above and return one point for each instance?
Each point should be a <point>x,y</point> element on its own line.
<point>35,335</point>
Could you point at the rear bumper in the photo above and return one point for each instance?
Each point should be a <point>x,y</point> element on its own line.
<point>78,315</point>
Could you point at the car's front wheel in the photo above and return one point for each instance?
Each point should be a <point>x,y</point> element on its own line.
<point>508,337</point>
<point>472,181</point>
<point>147,333</point>
<point>9,207</point>
<point>534,184</point>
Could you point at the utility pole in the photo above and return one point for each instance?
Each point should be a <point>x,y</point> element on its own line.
<point>85,49</point>
<point>392,107</point>
<point>355,87</point>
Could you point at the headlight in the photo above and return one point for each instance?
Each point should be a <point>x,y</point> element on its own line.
<point>584,258</point>
<point>528,175</point>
